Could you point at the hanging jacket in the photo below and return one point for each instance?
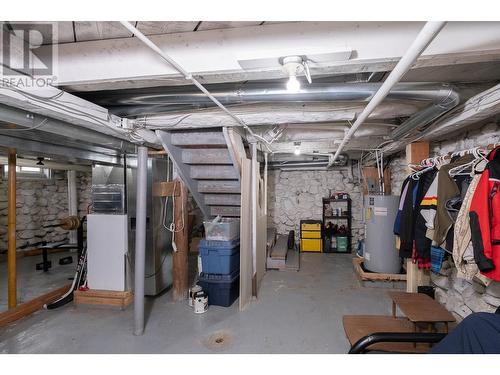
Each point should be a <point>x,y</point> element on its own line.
<point>422,243</point>
<point>402,197</point>
<point>428,207</point>
<point>447,189</point>
<point>485,219</point>
<point>407,220</point>
<point>463,255</point>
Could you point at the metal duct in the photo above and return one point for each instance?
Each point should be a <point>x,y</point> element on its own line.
<point>320,163</point>
<point>26,120</point>
<point>306,134</point>
<point>161,99</point>
<point>449,100</point>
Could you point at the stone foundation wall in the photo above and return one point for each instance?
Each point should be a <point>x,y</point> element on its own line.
<point>297,195</point>
<point>460,296</point>
<point>42,202</point>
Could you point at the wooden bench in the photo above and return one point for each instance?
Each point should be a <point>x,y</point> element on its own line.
<point>420,309</point>
<point>358,326</point>
<point>421,314</point>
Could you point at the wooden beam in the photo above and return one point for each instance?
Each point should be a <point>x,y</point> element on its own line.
<point>373,276</point>
<point>166,189</point>
<point>415,153</point>
<point>11,232</point>
<point>157,152</point>
<point>181,238</point>
<point>30,307</point>
<point>235,146</point>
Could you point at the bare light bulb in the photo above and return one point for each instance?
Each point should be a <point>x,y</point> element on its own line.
<point>297,150</point>
<point>293,84</point>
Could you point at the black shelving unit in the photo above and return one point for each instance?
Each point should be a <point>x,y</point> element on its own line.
<point>344,218</point>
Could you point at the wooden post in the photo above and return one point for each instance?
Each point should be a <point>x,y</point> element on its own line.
<point>415,153</point>
<point>180,257</point>
<point>11,232</point>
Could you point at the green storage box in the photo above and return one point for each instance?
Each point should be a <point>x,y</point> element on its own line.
<point>342,244</point>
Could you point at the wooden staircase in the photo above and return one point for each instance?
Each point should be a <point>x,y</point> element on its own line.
<point>207,164</point>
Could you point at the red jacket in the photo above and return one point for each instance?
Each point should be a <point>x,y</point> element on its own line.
<point>485,219</point>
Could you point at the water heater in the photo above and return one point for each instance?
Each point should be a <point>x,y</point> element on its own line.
<point>381,254</point>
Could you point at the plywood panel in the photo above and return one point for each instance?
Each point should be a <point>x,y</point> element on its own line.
<point>166,189</point>
<point>208,25</point>
<point>370,175</point>
<point>246,259</point>
<point>92,30</point>
<point>64,32</point>
<point>259,223</point>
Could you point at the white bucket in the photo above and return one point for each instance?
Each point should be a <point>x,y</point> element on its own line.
<point>192,291</point>
<point>200,302</point>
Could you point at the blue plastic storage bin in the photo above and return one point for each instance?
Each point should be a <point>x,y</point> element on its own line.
<point>222,290</point>
<point>220,257</point>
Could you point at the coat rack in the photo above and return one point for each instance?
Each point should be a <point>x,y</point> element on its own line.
<point>428,162</point>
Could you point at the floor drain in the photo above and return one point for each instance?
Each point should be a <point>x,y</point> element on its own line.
<point>218,341</point>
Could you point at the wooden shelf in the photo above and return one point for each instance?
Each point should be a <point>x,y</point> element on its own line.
<point>336,200</point>
<point>334,218</point>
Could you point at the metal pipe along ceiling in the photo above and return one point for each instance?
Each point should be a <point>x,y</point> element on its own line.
<point>443,97</point>
<point>160,99</point>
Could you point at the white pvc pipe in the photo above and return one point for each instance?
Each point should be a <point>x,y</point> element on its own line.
<point>140,240</point>
<point>424,38</point>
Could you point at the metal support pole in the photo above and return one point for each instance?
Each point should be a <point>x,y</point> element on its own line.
<point>265,182</point>
<point>140,239</point>
<point>72,202</point>
<point>255,206</point>
<point>11,232</point>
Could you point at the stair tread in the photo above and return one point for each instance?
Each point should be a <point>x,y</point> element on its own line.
<point>231,211</point>
<point>198,138</point>
<point>219,186</point>
<point>222,199</point>
<point>215,172</point>
<point>206,156</point>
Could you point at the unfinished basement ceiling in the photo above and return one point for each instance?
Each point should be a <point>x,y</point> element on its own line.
<point>81,31</point>
<point>104,64</point>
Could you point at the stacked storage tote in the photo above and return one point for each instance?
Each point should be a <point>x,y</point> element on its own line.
<point>310,236</point>
<point>220,258</point>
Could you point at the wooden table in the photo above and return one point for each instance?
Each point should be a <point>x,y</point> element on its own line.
<point>420,308</point>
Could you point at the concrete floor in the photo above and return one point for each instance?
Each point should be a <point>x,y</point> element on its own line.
<point>32,283</point>
<point>297,312</point>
